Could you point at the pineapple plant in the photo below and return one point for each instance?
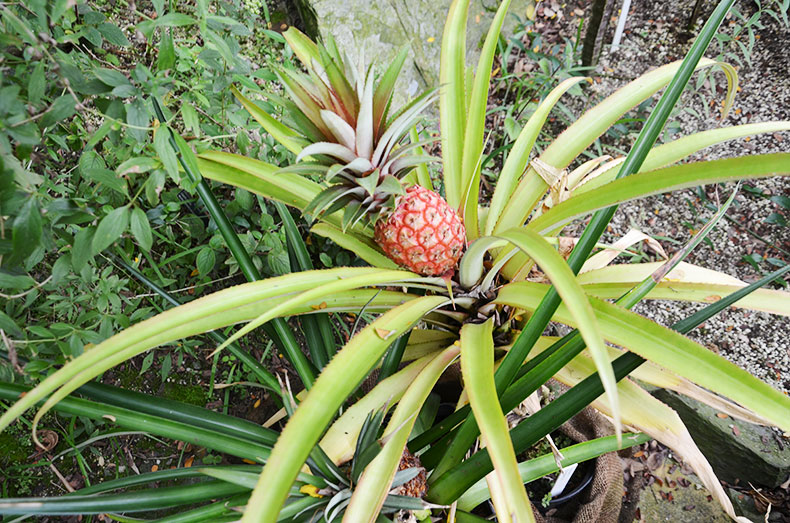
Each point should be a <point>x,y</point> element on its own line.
<point>352,139</point>
<point>428,323</point>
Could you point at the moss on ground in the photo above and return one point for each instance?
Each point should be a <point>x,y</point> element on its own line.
<point>192,394</point>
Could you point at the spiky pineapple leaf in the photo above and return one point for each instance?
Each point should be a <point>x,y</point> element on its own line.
<point>350,214</point>
<point>335,150</point>
<point>324,199</point>
<point>409,162</point>
<point>303,168</point>
<point>280,132</point>
<point>365,136</point>
<point>383,94</point>
<point>401,124</point>
<point>370,182</point>
<point>295,118</point>
<point>390,185</point>
<point>368,446</point>
<point>339,82</point>
<point>298,90</point>
<point>340,129</point>
<point>304,48</point>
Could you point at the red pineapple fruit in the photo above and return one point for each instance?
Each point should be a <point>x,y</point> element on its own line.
<point>423,233</point>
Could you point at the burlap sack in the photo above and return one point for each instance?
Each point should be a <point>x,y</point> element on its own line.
<point>603,499</point>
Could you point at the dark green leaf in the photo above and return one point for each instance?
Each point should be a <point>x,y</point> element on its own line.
<point>14,282</point>
<point>36,84</point>
<point>137,115</point>
<point>82,251</point>
<point>167,52</point>
<point>220,44</point>
<point>62,108</point>
<point>783,201</point>
<point>147,361</point>
<point>124,91</point>
<point>9,325</point>
<point>166,153</point>
<point>110,228</point>
<point>141,229</point>
<point>108,179</point>
<point>776,218</point>
<point>205,260</point>
<point>90,16</point>
<point>244,199</point>
<point>90,160</point>
<point>113,34</point>
<point>168,20</point>
<point>60,269</point>
<point>191,121</point>
<point>58,8</point>
<point>111,77</point>
<point>167,364</point>
<point>26,231</point>
<point>138,164</point>
<point>103,130</point>
<point>278,262</point>
<point>188,157</point>
<point>174,20</point>
<point>92,35</point>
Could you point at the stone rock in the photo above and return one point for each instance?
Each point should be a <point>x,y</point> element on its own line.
<point>375,30</point>
<point>744,506</point>
<point>667,499</point>
<point>737,450</point>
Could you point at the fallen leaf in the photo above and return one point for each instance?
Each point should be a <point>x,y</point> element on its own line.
<point>189,461</point>
<point>384,333</point>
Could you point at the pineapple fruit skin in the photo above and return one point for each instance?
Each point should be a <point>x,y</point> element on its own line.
<point>423,233</point>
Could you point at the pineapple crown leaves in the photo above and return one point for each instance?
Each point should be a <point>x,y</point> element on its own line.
<point>353,141</point>
<point>361,105</point>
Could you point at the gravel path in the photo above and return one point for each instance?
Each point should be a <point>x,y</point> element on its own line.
<point>756,341</point>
